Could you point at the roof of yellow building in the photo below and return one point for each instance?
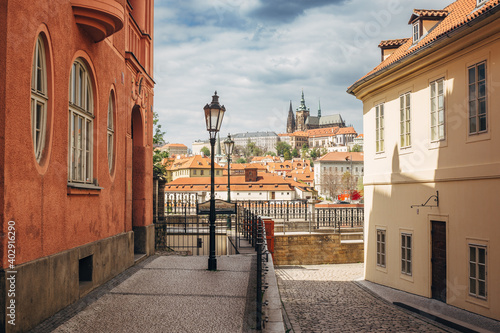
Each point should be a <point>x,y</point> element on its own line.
<point>342,156</point>
<point>454,16</point>
<point>193,162</point>
<point>319,132</point>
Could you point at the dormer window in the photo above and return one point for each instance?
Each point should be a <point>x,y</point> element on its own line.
<point>480,2</point>
<point>416,31</point>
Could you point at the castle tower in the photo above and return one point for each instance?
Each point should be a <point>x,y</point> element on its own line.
<point>302,114</point>
<point>290,122</point>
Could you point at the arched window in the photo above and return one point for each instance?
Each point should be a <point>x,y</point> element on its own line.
<point>111,130</point>
<point>81,122</point>
<point>39,98</point>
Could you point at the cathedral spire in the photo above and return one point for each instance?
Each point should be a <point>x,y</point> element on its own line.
<point>319,108</point>
<point>302,106</point>
<point>290,122</point>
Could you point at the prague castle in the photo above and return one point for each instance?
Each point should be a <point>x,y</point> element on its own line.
<point>302,120</point>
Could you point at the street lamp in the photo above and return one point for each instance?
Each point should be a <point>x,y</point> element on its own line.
<point>229,145</point>
<point>213,117</point>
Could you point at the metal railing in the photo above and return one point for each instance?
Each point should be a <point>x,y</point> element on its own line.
<point>278,209</point>
<point>180,203</point>
<point>347,217</point>
<point>189,234</point>
<point>253,230</point>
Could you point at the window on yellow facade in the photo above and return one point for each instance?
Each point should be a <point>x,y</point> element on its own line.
<point>405,120</point>
<point>406,254</point>
<point>379,128</point>
<point>380,247</point>
<point>477,98</point>
<point>477,271</point>
<point>437,110</point>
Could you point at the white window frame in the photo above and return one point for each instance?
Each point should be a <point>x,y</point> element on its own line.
<point>379,128</point>
<point>437,110</point>
<point>476,99</point>
<point>405,119</point>
<point>111,131</point>
<point>416,31</point>
<point>476,266</point>
<point>81,125</point>
<point>39,98</point>
<point>406,253</point>
<point>381,247</point>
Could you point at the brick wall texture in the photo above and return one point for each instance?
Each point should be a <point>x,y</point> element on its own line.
<point>315,249</point>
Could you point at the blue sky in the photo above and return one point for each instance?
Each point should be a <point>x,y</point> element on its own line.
<point>260,54</point>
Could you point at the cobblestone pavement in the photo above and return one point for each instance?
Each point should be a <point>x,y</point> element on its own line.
<point>324,298</point>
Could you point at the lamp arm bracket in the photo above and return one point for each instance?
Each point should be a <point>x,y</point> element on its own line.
<point>436,200</point>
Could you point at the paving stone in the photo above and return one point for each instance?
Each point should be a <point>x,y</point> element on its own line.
<point>324,298</point>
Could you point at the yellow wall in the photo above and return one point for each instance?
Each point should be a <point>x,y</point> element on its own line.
<point>464,168</point>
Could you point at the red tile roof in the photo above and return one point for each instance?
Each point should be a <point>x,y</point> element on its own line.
<point>425,13</point>
<point>342,156</point>
<point>392,43</point>
<point>461,12</point>
<point>321,132</point>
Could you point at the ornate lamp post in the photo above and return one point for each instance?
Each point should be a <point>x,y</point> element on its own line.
<point>213,117</point>
<point>229,145</point>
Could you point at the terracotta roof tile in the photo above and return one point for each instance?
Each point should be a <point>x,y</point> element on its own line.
<point>460,12</point>
<point>392,43</point>
<point>342,156</point>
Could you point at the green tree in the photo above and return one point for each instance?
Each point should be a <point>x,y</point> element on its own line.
<point>270,153</point>
<point>323,151</point>
<point>281,147</point>
<point>304,152</point>
<point>240,160</point>
<point>314,153</point>
<point>295,152</point>
<point>205,151</point>
<point>287,155</point>
<point>356,148</point>
<point>158,138</point>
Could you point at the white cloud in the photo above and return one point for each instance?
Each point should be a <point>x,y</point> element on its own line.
<point>259,63</point>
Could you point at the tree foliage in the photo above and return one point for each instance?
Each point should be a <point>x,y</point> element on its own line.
<point>282,147</point>
<point>356,148</point>
<point>295,152</point>
<point>205,151</point>
<point>158,156</point>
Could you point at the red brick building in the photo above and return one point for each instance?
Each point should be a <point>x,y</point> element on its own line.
<point>76,109</point>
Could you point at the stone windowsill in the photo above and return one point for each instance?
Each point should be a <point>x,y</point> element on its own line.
<point>83,189</point>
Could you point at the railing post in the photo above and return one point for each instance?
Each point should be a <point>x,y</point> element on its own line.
<point>259,278</point>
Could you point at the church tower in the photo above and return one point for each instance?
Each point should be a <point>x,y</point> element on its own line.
<point>290,122</point>
<point>302,115</point>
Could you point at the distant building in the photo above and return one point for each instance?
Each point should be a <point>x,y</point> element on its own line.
<point>264,140</point>
<point>252,185</point>
<point>175,149</point>
<point>329,169</point>
<point>303,121</point>
<point>198,145</point>
<point>194,166</point>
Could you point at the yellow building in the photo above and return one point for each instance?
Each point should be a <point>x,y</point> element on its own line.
<point>194,166</point>
<point>432,161</point>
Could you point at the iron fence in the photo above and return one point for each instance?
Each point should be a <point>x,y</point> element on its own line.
<point>278,209</point>
<point>253,230</point>
<point>337,218</point>
<point>190,234</point>
<point>180,203</point>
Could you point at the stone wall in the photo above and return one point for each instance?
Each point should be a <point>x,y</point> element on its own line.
<point>315,249</point>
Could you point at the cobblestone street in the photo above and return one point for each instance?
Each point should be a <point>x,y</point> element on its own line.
<point>324,298</point>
